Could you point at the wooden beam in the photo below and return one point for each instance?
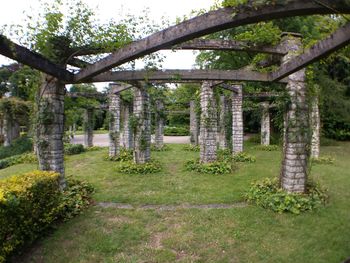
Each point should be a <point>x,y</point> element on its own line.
<point>205,24</point>
<point>323,48</point>
<point>33,59</point>
<point>119,87</point>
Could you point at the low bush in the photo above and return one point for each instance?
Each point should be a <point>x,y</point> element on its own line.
<point>142,168</point>
<point>176,131</point>
<point>191,148</point>
<point>30,203</point>
<point>267,148</point>
<point>18,146</point>
<point>18,159</point>
<point>124,155</point>
<point>216,168</point>
<point>93,148</point>
<point>164,148</point>
<point>268,194</point>
<point>71,149</point>
<point>244,158</point>
<point>323,160</point>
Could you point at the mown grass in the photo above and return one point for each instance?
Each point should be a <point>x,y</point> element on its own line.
<point>245,234</point>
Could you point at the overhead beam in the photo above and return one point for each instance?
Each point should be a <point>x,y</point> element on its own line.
<point>119,87</point>
<point>205,24</point>
<point>33,59</point>
<point>323,48</point>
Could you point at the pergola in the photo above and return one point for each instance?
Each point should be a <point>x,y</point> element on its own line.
<point>185,36</point>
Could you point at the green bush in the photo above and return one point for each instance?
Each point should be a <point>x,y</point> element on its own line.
<point>125,155</point>
<point>165,147</point>
<point>30,203</point>
<point>323,160</point>
<point>268,148</point>
<point>93,148</point>
<point>219,167</point>
<point>176,131</point>
<point>18,146</point>
<point>268,194</point>
<point>18,159</point>
<point>71,149</point>
<point>191,148</point>
<point>244,158</point>
<point>144,168</point>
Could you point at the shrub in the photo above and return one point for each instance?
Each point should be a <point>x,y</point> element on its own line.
<point>164,148</point>
<point>176,131</point>
<point>191,148</point>
<point>18,146</point>
<point>93,148</point>
<point>244,158</point>
<point>71,149</point>
<point>215,168</point>
<point>323,160</point>
<point>142,168</point>
<point>30,203</point>
<point>125,155</point>
<point>268,194</point>
<point>268,148</point>
<point>17,159</point>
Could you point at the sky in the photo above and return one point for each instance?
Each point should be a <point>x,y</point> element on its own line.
<point>12,13</point>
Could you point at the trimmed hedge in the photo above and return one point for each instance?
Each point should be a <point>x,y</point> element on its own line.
<point>71,149</point>
<point>30,203</point>
<point>17,159</point>
<point>18,146</point>
<point>176,131</point>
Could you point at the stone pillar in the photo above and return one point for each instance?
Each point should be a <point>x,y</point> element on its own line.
<point>114,125</point>
<point>11,129</point>
<point>50,126</point>
<point>224,113</point>
<point>315,125</point>
<point>194,129</point>
<point>88,127</point>
<point>159,131</point>
<point>265,123</point>
<point>294,170</point>
<point>142,125</point>
<point>208,127</point>
<point>237,120</point>
<point>127,131</point>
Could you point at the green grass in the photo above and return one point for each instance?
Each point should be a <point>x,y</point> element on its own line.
<point>95,132</point>
<point>246,234</point>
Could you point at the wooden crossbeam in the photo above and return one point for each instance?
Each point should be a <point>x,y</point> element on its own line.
<point>119,87</point>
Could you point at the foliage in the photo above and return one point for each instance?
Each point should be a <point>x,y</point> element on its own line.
<point>267,194</point>
<point>323,160</point>
<point>15,108</point>
<point>216,168</point>
<point>244,157</point>
<point>164,148</point>
<point>268,148</point>
<point>328,142</point>
<point>18,159</point>
<point>176,131</point>
<point>71,149</point>
<point>93,148</point>
<point>124,155</point>
<point>191,148</point>
<point>18,146</point>
<point>256,138</point>
<point>142,168</point>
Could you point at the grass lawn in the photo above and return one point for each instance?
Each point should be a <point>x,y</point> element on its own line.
<point>242,234</point>
<point>95,132</point>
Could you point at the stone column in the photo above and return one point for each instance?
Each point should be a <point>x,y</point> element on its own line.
<point>265,123</point>
<point>294,170</point>
<point>127,131</point>
<point>315,125</point>
<point>208,127</point>
<point>194,129</point>
<point>237,120</point>
<point>159,131</point>
<point>88,127</point>
<point>50,126</point>
<point>224,113</point>
<point>114,124</point>
<point>142,125</point>
<point>11,129</point>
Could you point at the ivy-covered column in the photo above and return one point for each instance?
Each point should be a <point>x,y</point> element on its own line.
<point>223,117</point>
<point>208,127</point>
<point>294,170</point>
<point>194,129</point>
<point>114,124</point>
<point>159,131</point>
<point>265,123</point>
<point>316,126</point>
<point>237,120</point>
<point>141,123</point>
<point>50,126</point>
<point>88,127</point>
<point>127,131</point>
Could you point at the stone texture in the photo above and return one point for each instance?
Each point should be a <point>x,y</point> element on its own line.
<point>11,129</point>
<point>142,122</point>
<point>114,124</point>
<point>294,169</point>
<point>194,129</point>
<point>127,140</point>
<point>88,127</point>
<point>316,126</point>
<point>223,117</point>
<point>237,120</point>
<point>159,129</point>
<point>265,123</point>
<point>208,127</point>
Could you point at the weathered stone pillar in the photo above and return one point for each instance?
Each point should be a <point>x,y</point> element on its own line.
<point>265,123</point>
<point>316,126</point>
<point>159,131</point>
<point>127,131</point>
<point>50,126</point>
<point>141,125</point>
<point>88,127</point>
<point>294,170</point>
<point>11,129</point>
<point>237,120</point>
<point>208,127</point>
<point>194,129</point>
<point>224,113</point>
<point>114,124</point>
